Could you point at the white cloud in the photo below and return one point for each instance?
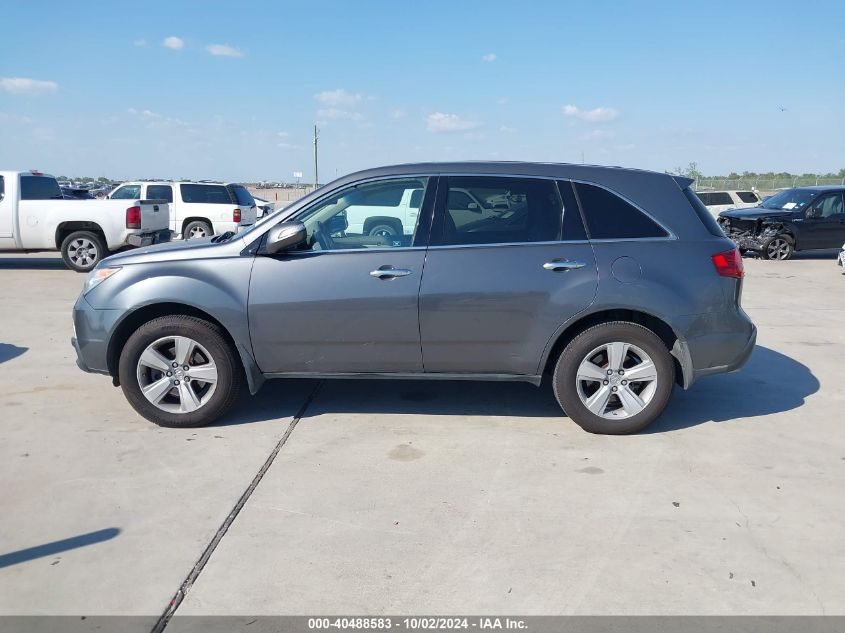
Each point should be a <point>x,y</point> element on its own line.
<point>339,97</point>
<point>223,50</point>
<point>173,42</point>
<point>26,86</point>
<point>287,146</point>
<point>442,122</point>
<point>140,43</point>
<point>594,116</point>
<point>507,130</point>
<point>282,134</point>
<point>489,57</point>
<point>398,114</point>
<point>597,135</point>
<point>338,114</point>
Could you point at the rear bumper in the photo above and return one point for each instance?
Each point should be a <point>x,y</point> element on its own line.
<point>147,239</point>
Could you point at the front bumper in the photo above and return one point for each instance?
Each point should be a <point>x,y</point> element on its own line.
<point>91,332</point>
<point>147,239</point>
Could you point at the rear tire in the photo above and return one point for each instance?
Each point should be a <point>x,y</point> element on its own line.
<point>82,250</point>
<point>599,369</point>
<point>383,230</point>
<point>197,230</point>
<point>181,401</point>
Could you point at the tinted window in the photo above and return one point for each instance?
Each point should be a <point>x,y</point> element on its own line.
<point>416,199</point>
<point>490,210</point>
<point>704,197</point>
<point>127,192</point>
<point>703,214</point>
<point>205,194</point>
<point>40,188</point>
<point>610,217</point>
<point>159,192</point>
<point>243,196</point>
<point>748,196</point>
<point>790,199</point>
<point>720,197</point>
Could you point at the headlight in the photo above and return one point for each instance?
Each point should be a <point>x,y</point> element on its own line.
<point>98,276</point>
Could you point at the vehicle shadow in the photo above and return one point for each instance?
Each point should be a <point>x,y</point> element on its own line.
<point>769,383</point>
<point>32,263</point>
<point>828,253</point>
<point>9,351</point>
<point>56,547</point>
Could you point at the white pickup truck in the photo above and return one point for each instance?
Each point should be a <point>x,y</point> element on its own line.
<point>35,217</point>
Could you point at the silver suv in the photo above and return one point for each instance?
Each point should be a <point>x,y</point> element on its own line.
<point>615,283</point>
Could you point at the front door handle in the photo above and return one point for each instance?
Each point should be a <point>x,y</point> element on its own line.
<point>388,272</point>
<point>564,265</point>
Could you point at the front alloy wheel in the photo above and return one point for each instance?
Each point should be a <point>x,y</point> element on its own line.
<point>177,374</point>
<point>778,248</point>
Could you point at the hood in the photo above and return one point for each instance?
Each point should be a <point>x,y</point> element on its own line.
<point>754,213</point>
<point>182,249</point>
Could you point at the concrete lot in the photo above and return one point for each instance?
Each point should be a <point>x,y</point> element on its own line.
<point>411,497</point>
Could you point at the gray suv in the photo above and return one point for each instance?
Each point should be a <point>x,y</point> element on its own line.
<point>616,283</point>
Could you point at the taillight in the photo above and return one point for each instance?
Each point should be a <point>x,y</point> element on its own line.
<point>236,215</point>
<point>729,264</point>
<point>133,218</point>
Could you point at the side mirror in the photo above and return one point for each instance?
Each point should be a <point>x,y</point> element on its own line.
<point>285,236</point>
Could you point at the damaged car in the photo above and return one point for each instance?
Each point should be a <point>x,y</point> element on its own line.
<point>798,219</point>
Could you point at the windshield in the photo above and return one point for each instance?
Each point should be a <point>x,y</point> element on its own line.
<point>790,200</point>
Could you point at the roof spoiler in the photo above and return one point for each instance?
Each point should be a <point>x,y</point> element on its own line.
<point>683,181</point>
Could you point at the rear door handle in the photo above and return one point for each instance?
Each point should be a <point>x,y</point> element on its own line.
<point>388,272</point>
<point>562,266</point>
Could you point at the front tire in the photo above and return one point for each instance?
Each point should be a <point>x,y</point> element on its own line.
<point>614,378</point>
<point>82,250</point>
<point>180,371</point>
<point>383,230</point>
<point>778,248</point>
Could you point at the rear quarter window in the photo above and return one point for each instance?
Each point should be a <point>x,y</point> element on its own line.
<point>609,217</point>
<point>243,196</point>
<point>703,214</point>
<point>205,194</point>
<point>748,196</point>
<point>160,192</point>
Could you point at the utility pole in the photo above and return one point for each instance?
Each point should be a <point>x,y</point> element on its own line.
<point>316,173</point>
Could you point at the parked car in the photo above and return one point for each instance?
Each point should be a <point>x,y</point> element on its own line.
<point>264,207</point>
<point>70,193</point>
<point>841,259</point>
<point>803,218</point>
<point>34,216</point>
<point>616,283</point>
<point>718,201</point>
<point>197,209</point>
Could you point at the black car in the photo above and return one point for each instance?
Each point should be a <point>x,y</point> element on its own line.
<point>70,193</point>
<point>800,219</point>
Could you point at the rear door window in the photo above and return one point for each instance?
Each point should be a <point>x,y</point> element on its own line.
<point>720,197</point>
<point>205,194</point>
<point>40,188</point>
<point>609,217</point>
<point>160,192</point>
<point>494,210</point>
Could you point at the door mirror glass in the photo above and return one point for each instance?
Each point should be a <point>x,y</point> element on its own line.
<point>285,236</point>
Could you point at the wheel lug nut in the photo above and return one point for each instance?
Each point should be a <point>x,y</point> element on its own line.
<point>624,382</point>
<point>609,372</point>
<point>187,379</point>
<point>175,364</point>
<point>170,373</point>
<point>621,372</point>
<point>605,382</point>
<point>175,382</point>
<point>185,367</point>
<point>613,388</point>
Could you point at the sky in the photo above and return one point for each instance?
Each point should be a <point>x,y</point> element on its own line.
<point>232,91</point>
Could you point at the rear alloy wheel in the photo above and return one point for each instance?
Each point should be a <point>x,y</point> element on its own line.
<point>614,378</point>
<point>82,250</point>
<point>779,248</point>
<point>196,230</point>
<point>179,371</point>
